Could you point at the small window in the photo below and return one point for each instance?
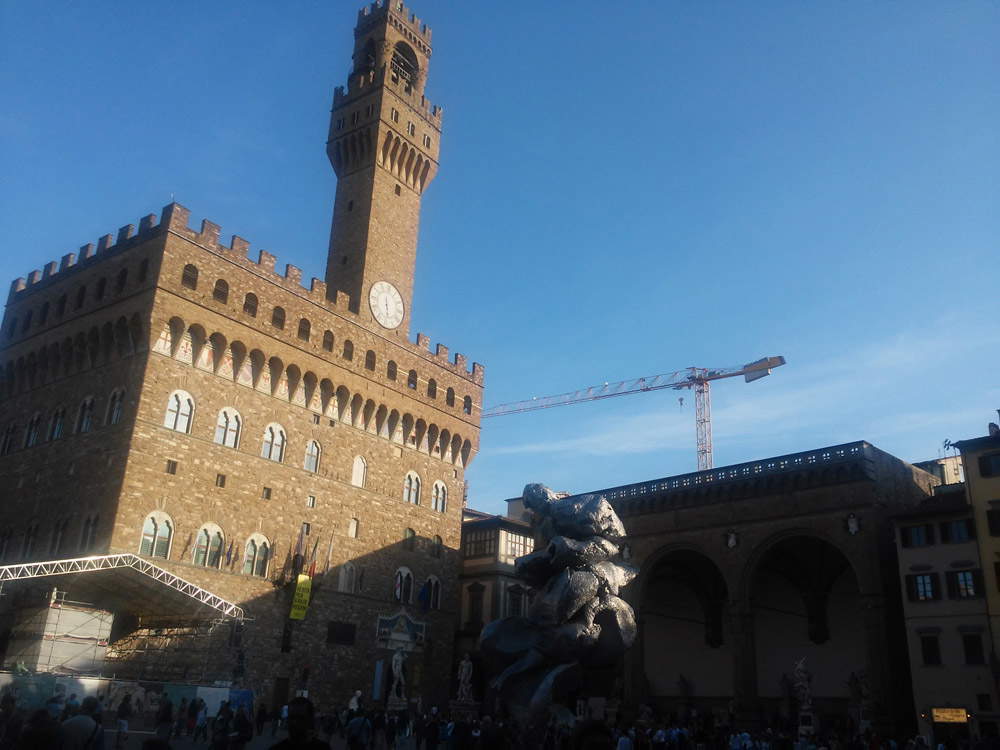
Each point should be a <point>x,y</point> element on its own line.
<point>306,528</point>
<point>315,418</point>
<point>427,141</point>
<point>399,190</point>
<point>115,403</point>
<point>61,306</point>
<point>467,405</point>
<point>305,328</point>
<point>102,285</point>
<point>370,360</point>
<point>430,593</point>
<point>432,388</point>
<point>44,314</point>
<point>437,547</point>
<point>278,318</point>
<point>411,129</point>
<point>57,423</point>
<point>391,371</point>
<point>964,584</point>
<point>311,462</point>
<point>922,588</point>
<point>85,416</point>
<point>81,297</point>
<point>31,433</point>
<point>409,539</point>
<point>171,466</point>
<point>972,645</point>
<point>328,341</point>
<point>957,531</point>
<point>220,480</point>
<point>352,528</point>
<point>449,397</point>
<point>221,291</point>
<point>348,350</point>
<point>439,497</point>
<point>411,380</point>
<point>394,114</point>
<point>359,471</point>
<point>265,493</point>
<point>189,277</point>
<point>250,305</point>
<point>121,280</point>
<point>341,633</point>
<point>402,589</point>
<point>917,536</point>
<point>143,271</point>
<point>310,501</point>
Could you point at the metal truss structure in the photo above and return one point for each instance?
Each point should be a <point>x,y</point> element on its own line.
<point>124,562</point>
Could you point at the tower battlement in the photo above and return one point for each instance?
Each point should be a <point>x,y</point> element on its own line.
<point>398,13</point>
<point>359,84</point>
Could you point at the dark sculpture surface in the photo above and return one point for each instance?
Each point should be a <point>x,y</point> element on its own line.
<point>576,619</point>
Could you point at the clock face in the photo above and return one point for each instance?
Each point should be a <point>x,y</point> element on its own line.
<point>386,303</point>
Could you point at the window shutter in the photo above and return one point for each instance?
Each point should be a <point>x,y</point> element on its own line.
<point>970,528</point>
<point>993,520</point>
<point>930,533</point>
<point>911,587</point>
<point>946,532</point>
<point>935,586</point>
<point>977,582</point>
<point>904,537</point>
<point>951,579</point>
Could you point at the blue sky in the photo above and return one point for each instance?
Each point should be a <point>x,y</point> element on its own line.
<point>625,189</point>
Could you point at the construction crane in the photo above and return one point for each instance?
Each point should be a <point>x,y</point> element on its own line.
<point>696,378</point>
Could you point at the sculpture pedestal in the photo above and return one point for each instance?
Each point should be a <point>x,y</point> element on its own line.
<point>807,724</point>
<point>396,704</point>
<point>464,710</point>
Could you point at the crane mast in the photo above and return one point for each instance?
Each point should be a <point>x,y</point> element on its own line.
<point>697,378</point>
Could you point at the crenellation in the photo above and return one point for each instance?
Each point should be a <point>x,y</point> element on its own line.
<point>239,246</point>
<point>86,252</point>
<point>125,233</point>
<point>461,362</point>
<point>209,233</point>
<point>478,373</point>
<point>17,285</point>
<point>68,261</point>
<point>423,341</point>
<point>293,274</point>
<point>103,243</point>
<point>175,217</point>
<point>266,261</point>
<point>147,223</point>
<point>49,269</point>
<point>317,288</point>
<point>441,352</point>
<point>34,277</point>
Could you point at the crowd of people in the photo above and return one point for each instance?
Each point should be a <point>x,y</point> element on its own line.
<point>67,723</point>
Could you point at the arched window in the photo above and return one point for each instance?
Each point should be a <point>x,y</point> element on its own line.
<point>311,462</point>
<point>88,534</point>
<point>180,412</point>
<point>228,427</point>
<point>411,488</point>
<point>273,447</point>
<point>115,403</point>
<point>359,471</point>
<point>404,64</point>
<point>256,556</point>
<point>432,598</point>
<point>85,416</point>
<point>411,380</point>
<point>432,388</point>
<point>221,291</point>
<point>43,315</point>
<point>208,546</point>
<point>328,341</point>
<point>31,433</point>
<point>250,305</point>
<point>143,271</point>
<point>409,539</point>
<point>61,306</point>
<point>8,445</point>
<point>189,278</point>
<point>348,579</point>
<point>121,281</point>
<point>439,497</point>
<point>81,297</point>
<point>157,533</point>
<point>348,350</point>
<point>467,404</point>
<point>391,371</point>
<point>305,328</point>
<point>58,538</point>
<point>370,360</point>
<point>57,423</point>
<point>437,546</point>
<point>278,318</point>
<point>99,294</point>
<point>402,586</point>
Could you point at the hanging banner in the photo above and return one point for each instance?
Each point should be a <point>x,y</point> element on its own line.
<point>300,601</point>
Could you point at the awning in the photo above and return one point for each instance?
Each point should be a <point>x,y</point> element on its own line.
<point>125,583</point>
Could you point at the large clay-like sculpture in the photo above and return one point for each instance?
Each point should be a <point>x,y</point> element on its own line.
<point>576,618</point>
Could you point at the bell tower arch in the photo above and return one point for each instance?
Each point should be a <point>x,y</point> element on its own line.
<point>383,144</point>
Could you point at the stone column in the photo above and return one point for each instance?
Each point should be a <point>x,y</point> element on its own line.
<point>741,635</point>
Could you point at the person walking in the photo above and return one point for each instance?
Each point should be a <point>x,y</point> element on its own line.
<point>164,717</point>
<point>201,722</point>
<point>301,727</point>
<point>83,731</point>
<point>122,718</point>
<point>261,718</point>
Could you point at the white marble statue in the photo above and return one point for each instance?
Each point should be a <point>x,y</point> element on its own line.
<point>465,680</point>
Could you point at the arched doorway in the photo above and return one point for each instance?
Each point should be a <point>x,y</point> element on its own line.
<point>687,653</point>
<point>805,603</point>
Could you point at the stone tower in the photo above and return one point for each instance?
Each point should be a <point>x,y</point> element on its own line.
<point>383,145</point>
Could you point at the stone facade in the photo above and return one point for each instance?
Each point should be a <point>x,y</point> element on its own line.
<point>149,343</point>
